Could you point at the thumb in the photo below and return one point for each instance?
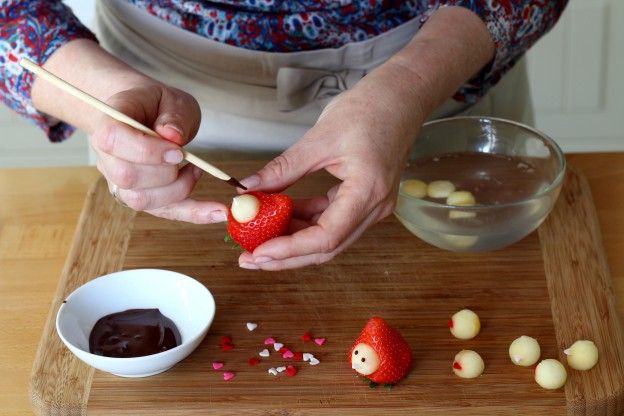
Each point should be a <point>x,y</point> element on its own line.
<point>178,116</point>
<point>282,171</point>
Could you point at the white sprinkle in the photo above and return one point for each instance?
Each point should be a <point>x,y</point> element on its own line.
<point>272,371</point>
<point>567,352</point>
<point>314,361</point>
<point>264,353</point>
<point>278,346</point>
<point>281,369</point>
<point>251,326</point>
<point>307,356</point>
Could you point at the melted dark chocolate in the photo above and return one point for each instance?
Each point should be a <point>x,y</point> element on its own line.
<point>133,333</point>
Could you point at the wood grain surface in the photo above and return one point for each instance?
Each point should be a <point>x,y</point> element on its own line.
<point>390,273</point>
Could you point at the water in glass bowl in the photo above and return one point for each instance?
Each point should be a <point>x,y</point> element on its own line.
<point>503,188</point>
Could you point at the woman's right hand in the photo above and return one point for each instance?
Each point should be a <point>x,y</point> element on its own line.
<point>145,169</point>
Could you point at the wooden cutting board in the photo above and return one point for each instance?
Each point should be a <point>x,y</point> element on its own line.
<point>553,285</point>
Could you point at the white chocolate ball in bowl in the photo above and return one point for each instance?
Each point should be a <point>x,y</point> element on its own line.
<point>461,199</point>
<point>440,189</point>
<point>414,187</point>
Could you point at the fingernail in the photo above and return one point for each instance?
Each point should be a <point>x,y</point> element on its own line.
<point>251,181</point>
<point>249,266</point>
<point>175,128</point>
<point>173,156</point>
<point>197,172</point>
<point>218,216</point>
<point>262,259</point>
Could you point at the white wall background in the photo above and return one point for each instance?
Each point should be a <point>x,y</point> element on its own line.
<point>576,83</point>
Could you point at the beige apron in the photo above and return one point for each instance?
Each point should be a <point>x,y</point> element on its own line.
<point>256,101</point>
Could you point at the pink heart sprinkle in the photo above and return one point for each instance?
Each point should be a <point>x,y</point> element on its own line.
<point>319,341</point>
<point>269,341</point>
<point>228,375</point>
<point>288,354</point>
<point>217,365</point>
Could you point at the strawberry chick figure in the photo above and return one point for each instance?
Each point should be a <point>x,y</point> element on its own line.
<point>380,353</point>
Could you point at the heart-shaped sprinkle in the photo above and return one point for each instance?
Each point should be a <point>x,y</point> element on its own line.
<point>319,341</point>
<point>253,361</point>
<point>291,371</point>
<point>278,346</point>
<point>225,340</point>
<point>272,371</point>
<point>228,375</point>
<point>314,361</point>
<point>264,353</point>
<point>298,356</point>
<point>306,337</point>
<point>281,369</point>
<point>269,341</point>
<point>288,354</point>
<point>283,350</point>
<point>217,365</point>
<point>307,356</point>
<point>227,347</point>
<point>251,326</point>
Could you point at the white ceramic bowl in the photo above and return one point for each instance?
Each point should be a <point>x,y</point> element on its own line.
<point>179,297</point>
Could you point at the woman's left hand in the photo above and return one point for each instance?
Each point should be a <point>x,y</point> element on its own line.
<point>362,139</point>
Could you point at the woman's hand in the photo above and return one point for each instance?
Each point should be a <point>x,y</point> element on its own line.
<point>362,141</point>
<point>363,137</point>
<point>146,169</point>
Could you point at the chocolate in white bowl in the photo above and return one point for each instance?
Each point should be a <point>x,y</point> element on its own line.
<point>184,300</point>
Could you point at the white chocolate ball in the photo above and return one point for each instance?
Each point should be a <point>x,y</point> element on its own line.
<point>468,364</point>
<point>582,355</point>
<point>245,208</point>
<point>440,189</point>
<point>524,351</point>
<point>550,374</point>
<point>465,324</point>
<point>461,241</point>
<point>364,359</point>
<point>461,199</point>
<point>415,188</point>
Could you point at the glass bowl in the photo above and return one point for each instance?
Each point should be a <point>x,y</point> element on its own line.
<point>513,172</point>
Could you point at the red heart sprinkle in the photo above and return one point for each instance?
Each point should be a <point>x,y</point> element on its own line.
<point>227,347</point>
<point>225,340</point>
<point>291,371</point>
<point>450,323</point>
<point>298,356</point>
<point>283,350</point>
<point>254,361</point>
<point>306,337</point>
<point>457,366</point>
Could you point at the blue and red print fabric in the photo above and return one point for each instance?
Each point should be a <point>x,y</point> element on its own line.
<point>37,28</point>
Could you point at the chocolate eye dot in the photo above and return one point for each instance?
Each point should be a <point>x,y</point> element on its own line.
<point>363,359</point>
<point>355,352</point>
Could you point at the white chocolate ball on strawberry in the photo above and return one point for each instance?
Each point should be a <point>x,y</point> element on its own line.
<point>524,351</point>
<point>461,199</point>
<point>414,187</point>
<point>245,208</point>
<point>468,364</point>
<point>440,189</point>
<point>364,359</point>
<point>582,355</point>
<point>550,374</point>
<point>464,324</point>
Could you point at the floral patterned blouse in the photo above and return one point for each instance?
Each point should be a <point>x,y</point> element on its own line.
<point>37,28</point>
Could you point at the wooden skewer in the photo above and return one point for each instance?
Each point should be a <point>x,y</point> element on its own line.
<point>121,117</point>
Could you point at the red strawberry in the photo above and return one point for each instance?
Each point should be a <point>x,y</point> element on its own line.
<point>380,353</point>
<point>272,220</point>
